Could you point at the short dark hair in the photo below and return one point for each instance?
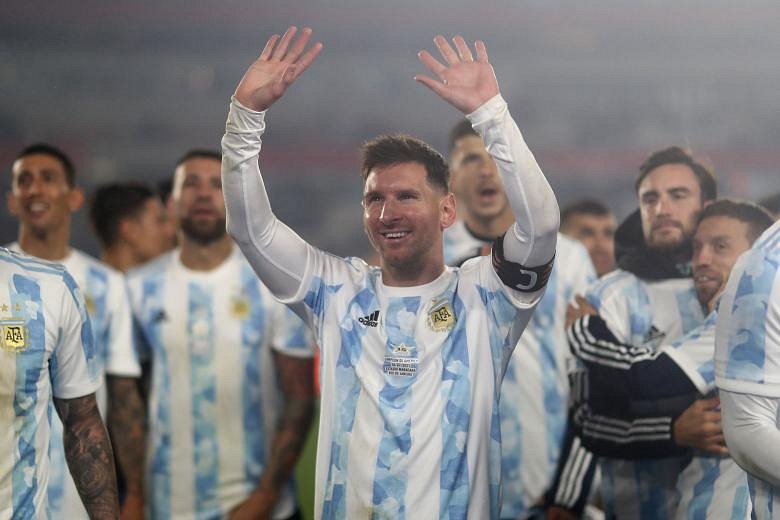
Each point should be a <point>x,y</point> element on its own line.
<point>52,151</point>
<point>772,203</point>
<point>387,150</point>
<point>757,218</point>
<point>461,129</point>
<point>113,202</point>
<point>708,185</point>
<point>199,153</point>
<point>584,207</point>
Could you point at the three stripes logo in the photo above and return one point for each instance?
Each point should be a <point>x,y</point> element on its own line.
<point>371,320</point>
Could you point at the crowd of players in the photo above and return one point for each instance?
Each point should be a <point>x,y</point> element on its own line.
<point>625,372</point>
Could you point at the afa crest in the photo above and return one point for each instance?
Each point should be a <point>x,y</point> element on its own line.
<point>441,318</point>
<point>239,308</point>
<point>90,304</point>
<point>14,335</point>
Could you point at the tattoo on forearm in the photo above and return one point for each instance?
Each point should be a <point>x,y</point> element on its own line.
<point>296,376</point>
<point>126,424</point>
<point>89,456</point>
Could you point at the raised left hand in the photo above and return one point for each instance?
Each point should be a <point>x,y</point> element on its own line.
<point>464,83</point>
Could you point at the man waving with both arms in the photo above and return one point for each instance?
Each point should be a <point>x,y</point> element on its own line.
<point>409,418</point>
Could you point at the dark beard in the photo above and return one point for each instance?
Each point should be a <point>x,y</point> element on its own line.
<point>679,253</point>
<point>203,235</point>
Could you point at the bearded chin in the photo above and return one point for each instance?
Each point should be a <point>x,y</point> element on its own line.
<point>680,251</point>
<point>204,235</point>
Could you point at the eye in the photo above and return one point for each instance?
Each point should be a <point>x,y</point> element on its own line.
<point>371,198</point>
<point>23,180</point>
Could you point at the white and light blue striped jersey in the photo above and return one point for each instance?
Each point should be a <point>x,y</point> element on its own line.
<point>410,380</point>
<point>535,389</point>
<point>747,346</point>
<point>710,486</point>
<point>105,295</point>
<point>215,400</point>
<point>644,312</point>
<point>46,350</point>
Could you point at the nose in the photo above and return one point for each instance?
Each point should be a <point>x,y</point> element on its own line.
<point>388,213</point>
<point>34,186</point>
<point>702,256</point>
<point>662,205</point>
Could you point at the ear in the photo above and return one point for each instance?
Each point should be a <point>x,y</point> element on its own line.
<point>75,199</point>
<point>11,202</point>
<point>447,210</point>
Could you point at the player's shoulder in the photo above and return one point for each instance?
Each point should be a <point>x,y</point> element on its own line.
<point>763,259</point>
<point>153,267</point>
<point>32,266</point>
<point>615,282</point>
<point>94,265</point>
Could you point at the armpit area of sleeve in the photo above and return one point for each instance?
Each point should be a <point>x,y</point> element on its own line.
<point>519,299</point>
<point>748,387</point>
<point>76,389</point>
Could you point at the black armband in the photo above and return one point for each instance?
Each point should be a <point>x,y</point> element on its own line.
<point>517,276</point>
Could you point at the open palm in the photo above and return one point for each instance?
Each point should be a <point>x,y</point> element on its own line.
<point>278,66</point>
<point>464,82</point>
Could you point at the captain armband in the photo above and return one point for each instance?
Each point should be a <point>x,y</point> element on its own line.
<point>517,276</point>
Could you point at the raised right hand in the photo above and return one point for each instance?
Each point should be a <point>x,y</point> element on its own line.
<point>278,66</point>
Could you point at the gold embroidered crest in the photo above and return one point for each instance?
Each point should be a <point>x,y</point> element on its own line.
<point>90,304</point>
<point>239,308</point>
<point>14,335</point>
<point>441,318</point>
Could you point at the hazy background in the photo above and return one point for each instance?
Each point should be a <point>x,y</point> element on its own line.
<point>127,87</point>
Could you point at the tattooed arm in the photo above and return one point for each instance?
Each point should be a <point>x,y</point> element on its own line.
<point>296,378</point>
<point>89,456</point>
<point>126,424</point>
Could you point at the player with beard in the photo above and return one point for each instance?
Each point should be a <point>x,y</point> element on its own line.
<point>650,299</point>
<point>635,387</point>
<point>231,396</point>
<point>535,389</point>
<point>44,195</point>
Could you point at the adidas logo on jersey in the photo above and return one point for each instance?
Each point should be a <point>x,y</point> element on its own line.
<point>371,320</point>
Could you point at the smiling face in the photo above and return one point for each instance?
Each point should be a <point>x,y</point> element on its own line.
<point>475,180</point>
<point>41,197</point>
<point>198,201</point>
<point>718,242</point>
<point>669,199</point>
<point>404,216</point>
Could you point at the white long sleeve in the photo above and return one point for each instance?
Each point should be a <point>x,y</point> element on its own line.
<point>750,424</point>
<point>534,234</point>
<point>275,251</point>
